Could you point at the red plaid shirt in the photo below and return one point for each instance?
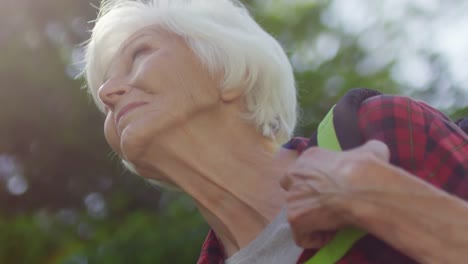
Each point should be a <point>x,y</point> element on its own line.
<point>422,141</point>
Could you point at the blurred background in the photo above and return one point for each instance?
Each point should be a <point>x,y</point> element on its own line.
<point>65,198</point>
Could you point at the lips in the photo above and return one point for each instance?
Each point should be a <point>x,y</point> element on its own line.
<point>127,109</point>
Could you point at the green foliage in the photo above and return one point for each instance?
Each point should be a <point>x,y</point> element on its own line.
<point>172,235</point>
<point>15,234</point>
<point>460,113</point>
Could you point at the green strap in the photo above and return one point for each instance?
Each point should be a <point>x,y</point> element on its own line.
<point>345,238</point>
<point>326,135</point>
<point>337,247</point>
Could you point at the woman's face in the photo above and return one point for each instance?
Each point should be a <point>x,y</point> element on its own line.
<point>154,86</point>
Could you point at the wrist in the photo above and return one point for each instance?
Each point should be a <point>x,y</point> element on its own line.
<point>361,211</point>
<point>350,210</point>
<point>364,178</point>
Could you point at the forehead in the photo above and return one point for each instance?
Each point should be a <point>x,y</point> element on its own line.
<point>150,33</point>
<point>155,32</point>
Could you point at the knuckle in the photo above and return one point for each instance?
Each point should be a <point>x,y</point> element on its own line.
<point>285,182</point>
<point>303,167</point>
<point>311,152</point>
<point>353,168</point>
<point>358,162</point>
<point>290,172</point>
<point>301,243</point>
<point>294,218</point>
<point>297,238</point>
<point>365,160</point>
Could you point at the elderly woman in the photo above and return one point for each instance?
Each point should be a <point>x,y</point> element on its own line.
<point>199,97</point>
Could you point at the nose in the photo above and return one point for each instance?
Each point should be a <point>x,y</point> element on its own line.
<point>111,92</point>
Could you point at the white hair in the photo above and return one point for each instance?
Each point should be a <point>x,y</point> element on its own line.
<point>224,37</point>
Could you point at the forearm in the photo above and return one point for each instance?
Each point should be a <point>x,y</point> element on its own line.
<point>421,221</point>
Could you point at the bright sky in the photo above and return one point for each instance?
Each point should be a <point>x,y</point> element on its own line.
<point>419,25</point>
<point>405,31</point>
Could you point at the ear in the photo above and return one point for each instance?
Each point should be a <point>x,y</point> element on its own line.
<point>231,94</point>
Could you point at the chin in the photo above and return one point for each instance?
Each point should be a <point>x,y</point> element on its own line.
<point>135,141</point>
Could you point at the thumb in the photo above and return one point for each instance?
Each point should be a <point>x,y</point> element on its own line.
<point>378,148</point>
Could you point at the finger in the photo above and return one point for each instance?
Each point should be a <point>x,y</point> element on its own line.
<point>300,177</point>
<point>313,240</point>
<point>308,240</point>
<point>318,160</point>
<point>317,154</point>
<point>301,195</point>
<point>313,214</point>
<point>286,182</point>
<point>378,148</point>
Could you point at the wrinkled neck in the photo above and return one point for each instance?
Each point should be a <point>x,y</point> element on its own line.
<point>233,178</point>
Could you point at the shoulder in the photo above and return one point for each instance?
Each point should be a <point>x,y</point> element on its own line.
<point>395,118</point>
<point>399,107</point>
<point>421,139</point>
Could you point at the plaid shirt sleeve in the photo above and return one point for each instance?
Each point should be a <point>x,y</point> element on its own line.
<point>422,141</point>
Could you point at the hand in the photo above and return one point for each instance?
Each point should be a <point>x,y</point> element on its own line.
<point>321,186</point>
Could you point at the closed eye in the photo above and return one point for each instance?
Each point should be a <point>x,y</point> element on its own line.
<point>140,51</point>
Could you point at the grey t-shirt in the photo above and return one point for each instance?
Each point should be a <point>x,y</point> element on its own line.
<point>274,245</point>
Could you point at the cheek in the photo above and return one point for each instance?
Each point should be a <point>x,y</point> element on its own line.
<point>178,77</point>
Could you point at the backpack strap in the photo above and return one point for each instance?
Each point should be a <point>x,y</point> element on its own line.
<point>339,131</point>
<point>342,122</point>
